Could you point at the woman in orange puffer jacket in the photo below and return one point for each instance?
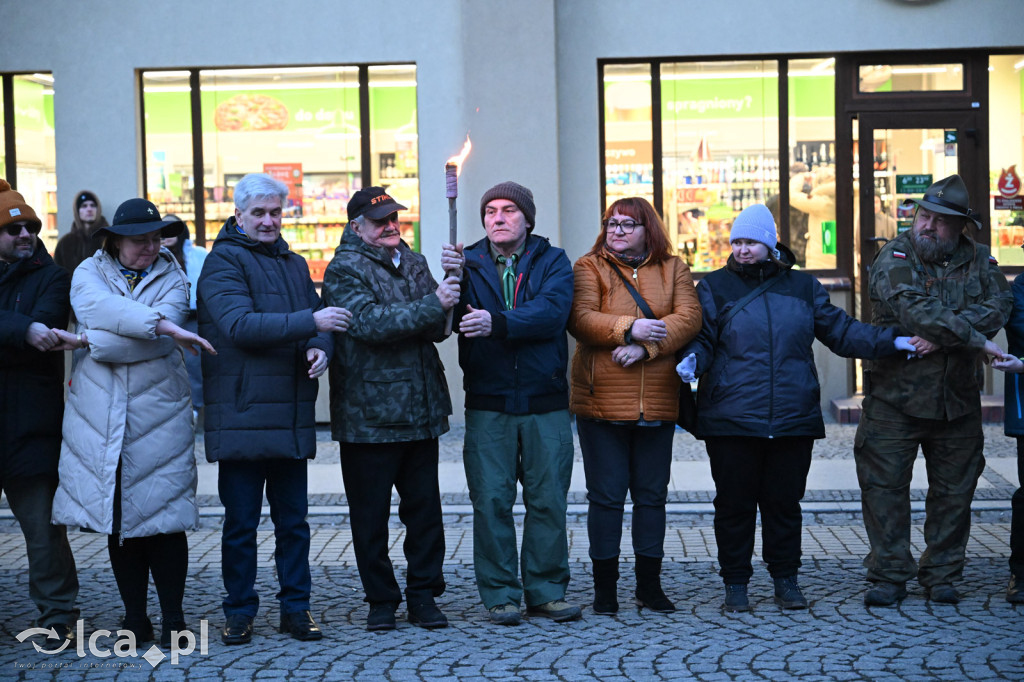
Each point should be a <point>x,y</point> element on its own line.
<point>625,391</point>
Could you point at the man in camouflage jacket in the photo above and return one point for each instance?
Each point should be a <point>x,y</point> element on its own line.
<point>390,402</point>
<point>936,283</point>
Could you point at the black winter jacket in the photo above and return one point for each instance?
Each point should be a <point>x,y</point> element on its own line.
<point>757,375</point>
<point>32,392</point>
<point>521,367</point>
<point>1014,387</point>
<point>256,305</point>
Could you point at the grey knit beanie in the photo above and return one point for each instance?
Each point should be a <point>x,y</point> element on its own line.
<point>755,222</point>
<point>517,194</point>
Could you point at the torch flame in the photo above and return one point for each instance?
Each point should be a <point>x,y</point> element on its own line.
<point>460,158</point>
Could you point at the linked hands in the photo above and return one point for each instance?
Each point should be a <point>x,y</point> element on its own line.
<point>686,368</point>
<point>332,319</point>
<point>41,337</point>
<point>1001,360</point>
<point>189,341</point>
<point>67,340</point>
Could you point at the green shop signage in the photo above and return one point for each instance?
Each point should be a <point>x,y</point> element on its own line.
<point>333,110</point>
<point>741,98</point>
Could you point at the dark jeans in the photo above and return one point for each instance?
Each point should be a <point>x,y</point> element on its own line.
<point>617,458</point>
<point>52,578</point>
<point>1017,518</point>
<point>241,492</point>
<point>753,473</point>
<point>370,471</point>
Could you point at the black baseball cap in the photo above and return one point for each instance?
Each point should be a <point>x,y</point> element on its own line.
<point>372,202</point>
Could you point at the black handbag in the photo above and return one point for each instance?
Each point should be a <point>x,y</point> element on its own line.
<point>687,418</point>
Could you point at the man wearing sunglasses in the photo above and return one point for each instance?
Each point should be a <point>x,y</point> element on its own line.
<point>33,301</point>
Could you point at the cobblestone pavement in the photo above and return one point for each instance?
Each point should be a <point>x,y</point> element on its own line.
<point>838,638</point>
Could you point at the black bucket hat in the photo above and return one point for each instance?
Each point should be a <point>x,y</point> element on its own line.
<point>138,216</point>
<point>949,197</point>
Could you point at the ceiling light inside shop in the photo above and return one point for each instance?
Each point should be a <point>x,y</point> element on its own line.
<point>166,75</point>
<point>916,71</point>
<point>282,71</point>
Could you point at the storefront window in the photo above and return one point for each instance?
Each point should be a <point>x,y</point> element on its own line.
<point>720,150</point>
<point>910,77</point>
<point>812,232</point>
<point>628,138</point>
<point>3,136</point>
<point>1006,157</point>
<point>301,125</point>
<point>34,175</point>
<point>167,121</point>
<point>395,144</point>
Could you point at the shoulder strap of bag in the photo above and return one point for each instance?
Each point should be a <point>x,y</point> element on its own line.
<point>641,303</point>
<point>754,293</point>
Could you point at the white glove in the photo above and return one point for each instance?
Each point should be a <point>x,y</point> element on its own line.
<point>686,368</point>
<point>903,343</point>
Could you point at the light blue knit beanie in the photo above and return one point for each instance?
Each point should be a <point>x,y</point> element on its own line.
<point>755,222</point>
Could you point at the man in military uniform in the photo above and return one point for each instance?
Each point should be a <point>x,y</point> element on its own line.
<point>935,282</point>
<point>390,402</point>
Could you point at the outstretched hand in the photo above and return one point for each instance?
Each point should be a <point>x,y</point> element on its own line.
<point>184,338</point>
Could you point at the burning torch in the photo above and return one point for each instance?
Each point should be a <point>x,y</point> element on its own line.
<point>451,181</point>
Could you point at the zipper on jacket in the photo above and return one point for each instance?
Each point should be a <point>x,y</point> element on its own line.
<point>771,368</point>
<point>636,278</point>
<point>643,377</point>
<point>592,375</point>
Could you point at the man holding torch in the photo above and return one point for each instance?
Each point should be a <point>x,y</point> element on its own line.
<point>513,349</point>
<point>390,402</point>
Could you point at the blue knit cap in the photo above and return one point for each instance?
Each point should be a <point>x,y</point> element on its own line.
<point>755,222</point>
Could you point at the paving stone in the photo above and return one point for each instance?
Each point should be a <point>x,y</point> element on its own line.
<point>838,638</point>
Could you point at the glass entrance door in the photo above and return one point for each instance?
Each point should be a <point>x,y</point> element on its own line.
<point>896,157</point>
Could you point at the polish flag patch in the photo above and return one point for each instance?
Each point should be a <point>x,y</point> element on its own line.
<point>899,254</point>
<point>992,260</point>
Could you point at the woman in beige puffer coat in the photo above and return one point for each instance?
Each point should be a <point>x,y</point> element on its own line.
<point>127,466</point>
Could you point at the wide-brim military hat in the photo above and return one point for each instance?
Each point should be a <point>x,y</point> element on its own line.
<point>949,197</point>
<point>138,216</point>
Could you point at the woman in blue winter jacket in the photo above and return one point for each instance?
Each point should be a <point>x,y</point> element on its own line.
<point>758,400</point>
<point>1014,415</point>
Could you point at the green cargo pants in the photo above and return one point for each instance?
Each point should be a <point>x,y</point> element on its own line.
<point>537,450</point>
